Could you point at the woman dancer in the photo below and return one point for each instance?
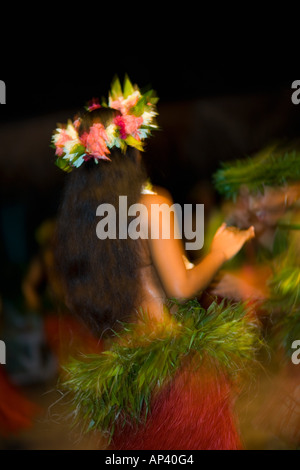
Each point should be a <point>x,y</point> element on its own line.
<point>163,378</point>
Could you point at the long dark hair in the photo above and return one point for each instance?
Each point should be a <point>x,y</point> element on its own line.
<point>100,277</point>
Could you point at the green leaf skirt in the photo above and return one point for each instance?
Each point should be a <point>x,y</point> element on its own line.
<point>115,388</point>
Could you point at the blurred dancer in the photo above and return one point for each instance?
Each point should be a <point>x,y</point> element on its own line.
<point>163,380</point>
<point>265,192</point>
<point>267,189</point>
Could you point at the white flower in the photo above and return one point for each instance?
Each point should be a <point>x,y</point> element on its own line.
<point>143,133</point>
<point>112,139</point>
<point>148,117</point>
<point>69,149</point>
<point>79,161</point>
<point>122,104</point>
<point>71,131</point>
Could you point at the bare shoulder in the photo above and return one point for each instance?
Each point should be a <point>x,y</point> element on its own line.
<point>159,197</point>
<point>163,192</point>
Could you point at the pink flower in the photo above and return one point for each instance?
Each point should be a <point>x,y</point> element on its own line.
<point>125,105</point>
<point>132,100</point>
<point>120,122</point>
<point>129,125</point>
<point>94,104</point>
<point>60,141</point>
<point>95,141</point>
<point>59,151</point>
<point>77,123</point>
<point>118,104</point>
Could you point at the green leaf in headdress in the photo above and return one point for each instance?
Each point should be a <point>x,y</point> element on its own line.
<point>128,87</point>
<point>63,164</point>
<point>144,103</point>
<point>116,89</point>
<point>132,142</point>
<point>103,102</point>
<point>78,150</point>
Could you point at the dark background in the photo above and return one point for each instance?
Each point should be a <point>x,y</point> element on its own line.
<point>213,107</point>
<point>206,115</point>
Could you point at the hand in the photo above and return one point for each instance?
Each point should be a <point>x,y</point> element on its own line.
<point>236,288</point>
<point>229,240</point>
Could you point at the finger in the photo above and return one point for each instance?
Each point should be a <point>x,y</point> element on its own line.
<point>250,233</point>
<point>221,229</point>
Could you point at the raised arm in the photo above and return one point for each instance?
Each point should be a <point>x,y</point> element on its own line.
<point>167,254</point>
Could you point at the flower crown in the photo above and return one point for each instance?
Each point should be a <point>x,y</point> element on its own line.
<point>131,127</point>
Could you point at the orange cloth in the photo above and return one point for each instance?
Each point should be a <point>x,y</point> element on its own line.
<point>16,411</point>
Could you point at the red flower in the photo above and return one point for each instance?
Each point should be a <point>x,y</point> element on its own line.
<point>129,125</point>
<point>94,104</point>
<point>95,141</point>
<point>60,141</point>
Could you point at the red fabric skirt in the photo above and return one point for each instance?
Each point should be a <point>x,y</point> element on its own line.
<point>193,412</point>
<point>16,411</point>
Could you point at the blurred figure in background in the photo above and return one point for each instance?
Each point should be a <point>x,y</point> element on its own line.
<point>28,361</point>
<point>266,193</point>
<point>44,294</point>
<point>17,413</point>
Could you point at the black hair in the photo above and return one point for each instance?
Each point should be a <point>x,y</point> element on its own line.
<point>100,277</point>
